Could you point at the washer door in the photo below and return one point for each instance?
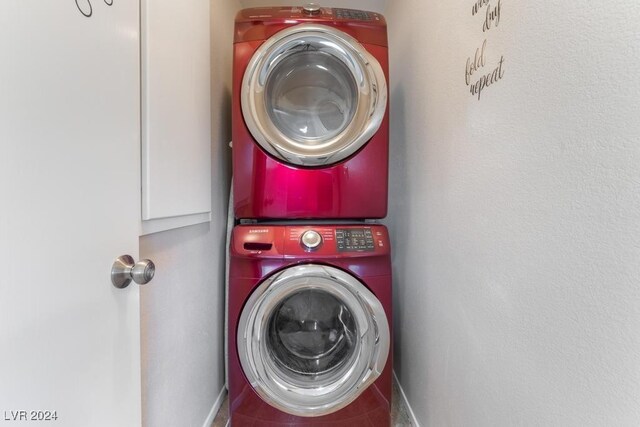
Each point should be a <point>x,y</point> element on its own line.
<point>311,338</point>
<point>312,95</point>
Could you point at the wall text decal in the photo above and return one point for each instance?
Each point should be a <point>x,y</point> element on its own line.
<point>492,14</point>
<point>478,5</point>
<point>476,86</point>
<point>477,62</point>
<point>492,17</point>
<point>85,8</point>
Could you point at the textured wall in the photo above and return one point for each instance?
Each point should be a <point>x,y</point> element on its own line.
<point>516,217</point>
<point>183,308</point>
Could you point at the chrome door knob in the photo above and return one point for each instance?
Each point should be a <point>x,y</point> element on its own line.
<point>125,269</point>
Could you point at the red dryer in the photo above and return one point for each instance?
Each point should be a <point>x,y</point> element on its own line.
<point>310,119</point>
<point>309,326</point>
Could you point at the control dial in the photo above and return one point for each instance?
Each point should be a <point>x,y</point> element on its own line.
<point>311,240</point>
<point>311,8</point>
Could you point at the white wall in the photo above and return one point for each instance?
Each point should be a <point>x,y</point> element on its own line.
<point>183,307</point>
<point>516,218</point>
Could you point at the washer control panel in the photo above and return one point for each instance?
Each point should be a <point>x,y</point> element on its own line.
<point>310,241</point>
<point>354,240</point>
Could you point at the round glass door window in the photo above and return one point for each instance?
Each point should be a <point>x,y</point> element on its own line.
<point>311,334</point>
<point>312,95</point>
<point>312,338</point>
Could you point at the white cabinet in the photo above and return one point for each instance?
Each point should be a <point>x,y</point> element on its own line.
<point>176,114</point>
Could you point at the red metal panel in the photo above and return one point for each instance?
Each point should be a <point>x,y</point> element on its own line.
<point>248,270</point>
<point>267,188</point>
<point>261,23</point>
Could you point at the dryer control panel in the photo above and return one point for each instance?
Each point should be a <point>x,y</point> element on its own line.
<point>260,23</point>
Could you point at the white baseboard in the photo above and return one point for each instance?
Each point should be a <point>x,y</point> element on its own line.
<point>216,407</point>
<point>414,420</point>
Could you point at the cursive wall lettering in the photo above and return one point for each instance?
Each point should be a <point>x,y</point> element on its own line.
<point>85,8</point>
<point>486,79</point>
<point>476,63</point>
<point>477,6</point>
<point>492,17</point>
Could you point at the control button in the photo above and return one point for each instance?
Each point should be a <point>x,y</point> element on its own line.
<point>311,8</point>
<point>311,239</point>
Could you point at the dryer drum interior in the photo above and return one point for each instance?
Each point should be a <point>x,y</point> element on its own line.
<point>311,338</point>
<point>312,95</point>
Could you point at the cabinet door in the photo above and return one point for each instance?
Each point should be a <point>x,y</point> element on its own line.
<point>176,111</point>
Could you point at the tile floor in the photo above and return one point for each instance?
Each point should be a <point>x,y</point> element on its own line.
<point>399,412</point>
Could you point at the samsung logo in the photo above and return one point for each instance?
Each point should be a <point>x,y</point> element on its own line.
<point>258,230</point>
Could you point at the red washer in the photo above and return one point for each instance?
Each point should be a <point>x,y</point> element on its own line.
<point>309,325</point>
<point>310,117</point>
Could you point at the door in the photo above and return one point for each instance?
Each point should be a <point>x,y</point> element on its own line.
<point>311,338</point>
<point>70,204</point>
<point>312,95</point>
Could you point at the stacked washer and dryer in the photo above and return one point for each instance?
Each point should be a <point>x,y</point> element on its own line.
<point>309,291</point>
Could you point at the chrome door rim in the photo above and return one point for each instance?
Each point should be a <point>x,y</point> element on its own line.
<point>371,102</point>
<point>364,367</point>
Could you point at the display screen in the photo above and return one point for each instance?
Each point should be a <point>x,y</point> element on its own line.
<point>354,240</point>
<point>356,15</point>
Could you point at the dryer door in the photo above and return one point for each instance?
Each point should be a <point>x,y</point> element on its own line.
<point>312,95</point>
<point>311,338</point>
